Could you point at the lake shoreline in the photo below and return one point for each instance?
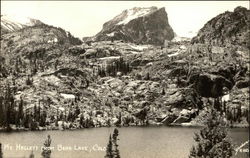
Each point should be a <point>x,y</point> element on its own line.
<point>183,125</point>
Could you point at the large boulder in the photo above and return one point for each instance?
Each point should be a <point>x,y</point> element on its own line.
<point>169,119</point>
<point>138,25</point>
<point>208,85</point>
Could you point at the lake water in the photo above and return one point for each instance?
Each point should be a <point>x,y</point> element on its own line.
<point>135,142</point>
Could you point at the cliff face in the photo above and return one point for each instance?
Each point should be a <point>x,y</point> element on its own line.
<point>229,28</point>
<point>138,25</point>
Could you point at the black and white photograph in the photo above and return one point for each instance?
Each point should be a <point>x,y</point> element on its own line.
<point>124,79</point>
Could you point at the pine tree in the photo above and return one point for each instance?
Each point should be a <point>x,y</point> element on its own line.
<point>108,122</point>
<point>1,152</point>
<point>28,81</point>
<point>109,149</point>
<point>116,152</point>
<point>17,121</point>
<point>12,110</point>
<point>20,111</point>
<point>163,92</point>
<point>81,122</point>
<point>8,118</point>
<point>239,114</point>
<point>212,140</point>
<point>35,111</point>
<point>1,111</point>
<point>70,116</point>
<point>91,122</point>
<point>147,76</point>
<point>33,124</point>
<point>46,149</point>
<point>7,108</point>
<point>43,117</point>
<point>112,150</point>
<point>77,111</point>
<point>26,121</point>
<point>38,114</point>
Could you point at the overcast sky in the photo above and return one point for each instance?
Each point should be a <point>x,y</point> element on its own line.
<point>85,18</point>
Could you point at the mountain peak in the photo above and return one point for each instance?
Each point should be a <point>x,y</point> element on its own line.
<point>139,25</point>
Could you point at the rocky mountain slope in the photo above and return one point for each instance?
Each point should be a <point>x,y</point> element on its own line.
<point>115,83</point>
<point>226,29</point>
<point>138,25</point>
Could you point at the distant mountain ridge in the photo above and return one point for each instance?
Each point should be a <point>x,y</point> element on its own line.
<point>29,29</point>
<point>138,25</point>
<point>11,23</point>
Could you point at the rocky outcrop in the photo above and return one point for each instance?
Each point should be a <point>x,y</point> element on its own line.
<point>226,29</point>
<point>138,25</point>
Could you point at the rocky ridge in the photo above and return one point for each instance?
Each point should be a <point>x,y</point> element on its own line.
<point>226,29</point>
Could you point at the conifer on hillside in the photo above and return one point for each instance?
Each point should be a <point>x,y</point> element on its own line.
<point>212,141</point>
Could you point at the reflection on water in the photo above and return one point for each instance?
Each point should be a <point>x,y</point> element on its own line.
<point>135,142</point>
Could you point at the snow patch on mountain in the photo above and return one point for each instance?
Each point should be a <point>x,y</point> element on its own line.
<point>17,19</point>
<point>67,96</point>
<point>139,47</point>
<point>134,13</point>
<point>179,39</point>
<point>110,34</point>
